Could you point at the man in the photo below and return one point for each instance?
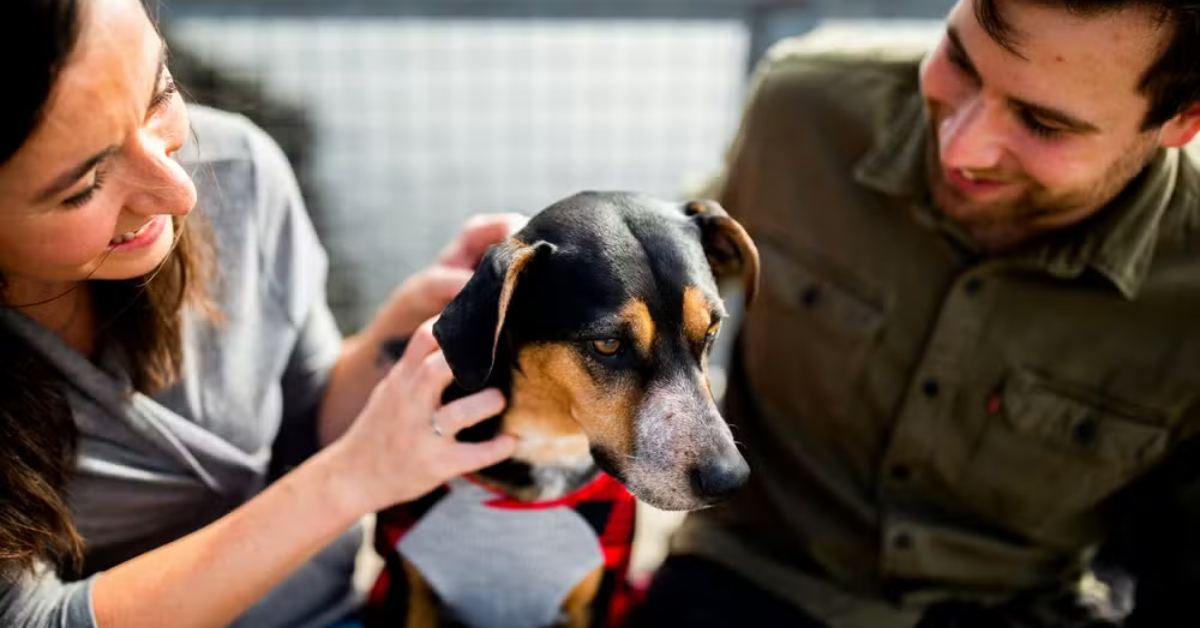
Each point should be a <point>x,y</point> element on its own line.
<point>976,355</point>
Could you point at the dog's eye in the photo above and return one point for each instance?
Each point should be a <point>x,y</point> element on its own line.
<point>607,346</point>
<point>712,334</point>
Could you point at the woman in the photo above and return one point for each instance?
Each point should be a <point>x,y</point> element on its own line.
<point>159,370</point>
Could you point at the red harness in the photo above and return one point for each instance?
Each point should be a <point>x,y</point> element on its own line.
<point>604,504</point>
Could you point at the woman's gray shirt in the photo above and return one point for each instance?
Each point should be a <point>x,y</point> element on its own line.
<point>154,468</point>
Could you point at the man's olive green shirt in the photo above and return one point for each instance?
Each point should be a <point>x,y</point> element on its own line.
<point>925,422</point>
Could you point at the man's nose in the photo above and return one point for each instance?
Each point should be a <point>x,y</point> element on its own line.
<point>971,137</point>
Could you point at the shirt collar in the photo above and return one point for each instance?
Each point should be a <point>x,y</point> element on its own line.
<point>1118,242</point>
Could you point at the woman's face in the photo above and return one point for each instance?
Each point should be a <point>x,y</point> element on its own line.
<point>92,192</point>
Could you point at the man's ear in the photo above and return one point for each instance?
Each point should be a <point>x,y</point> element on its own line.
<point>468,330</point>
<point>729,248</point>
<point>1181,129</point>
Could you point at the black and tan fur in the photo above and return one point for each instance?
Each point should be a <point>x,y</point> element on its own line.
<point>596,320</point>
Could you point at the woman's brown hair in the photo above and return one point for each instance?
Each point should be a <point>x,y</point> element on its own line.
<point>140,318</point>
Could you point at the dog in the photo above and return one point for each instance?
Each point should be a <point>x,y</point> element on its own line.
<point>596,320</point>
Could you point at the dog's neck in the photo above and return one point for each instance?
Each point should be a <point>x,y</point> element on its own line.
<point>552,457</point>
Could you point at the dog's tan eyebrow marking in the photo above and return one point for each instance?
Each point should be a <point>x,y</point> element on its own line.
<point>697,314</point>
<point>641,324</point>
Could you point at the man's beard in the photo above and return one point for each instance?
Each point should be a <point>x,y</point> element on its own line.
<point>1001,224</point>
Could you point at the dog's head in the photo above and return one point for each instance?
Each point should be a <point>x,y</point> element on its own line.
<point>598,318</point>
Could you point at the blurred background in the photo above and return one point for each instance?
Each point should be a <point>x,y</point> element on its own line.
<point>404,117</point>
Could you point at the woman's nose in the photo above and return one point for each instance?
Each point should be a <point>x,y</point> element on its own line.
<point>161,184</point>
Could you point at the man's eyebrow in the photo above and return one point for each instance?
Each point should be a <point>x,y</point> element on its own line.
<point>1051,114</point>
<point>959,52</point>
<point>65,180</point>
<point>1046,112</point>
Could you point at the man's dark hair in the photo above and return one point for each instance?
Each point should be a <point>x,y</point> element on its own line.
<point>1172,82</point>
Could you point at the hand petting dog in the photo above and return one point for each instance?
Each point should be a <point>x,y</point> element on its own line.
<point>426,293</point>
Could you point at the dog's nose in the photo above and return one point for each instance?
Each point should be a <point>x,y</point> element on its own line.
<point>716,479</point>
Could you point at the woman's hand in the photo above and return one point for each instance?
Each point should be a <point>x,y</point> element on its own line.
<point>426,293</point>
<point>421,297</point>
<point>393,452</point>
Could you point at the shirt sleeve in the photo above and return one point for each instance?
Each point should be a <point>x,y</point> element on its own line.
<point>296,266</point>
<point>304,384</point>
<point>42,600</point>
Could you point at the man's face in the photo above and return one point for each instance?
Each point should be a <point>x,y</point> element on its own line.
<point>1039,137</point>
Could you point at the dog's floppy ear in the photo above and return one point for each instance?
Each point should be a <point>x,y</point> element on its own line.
<point>729,248</point>
<point>468,330</point>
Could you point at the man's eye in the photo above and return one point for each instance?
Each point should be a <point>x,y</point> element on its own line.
<point>960,63</point>
<point>957,61</point>
<point>1035,126</point>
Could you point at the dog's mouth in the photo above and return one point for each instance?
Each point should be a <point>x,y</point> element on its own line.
<point>534,483</point>
<point>674,485</point>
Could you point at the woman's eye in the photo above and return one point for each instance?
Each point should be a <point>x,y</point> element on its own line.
<point>163,98</point>
<point>82,198</point>
<point>607,346</point>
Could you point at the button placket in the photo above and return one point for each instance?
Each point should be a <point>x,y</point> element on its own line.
<point>944,363</point>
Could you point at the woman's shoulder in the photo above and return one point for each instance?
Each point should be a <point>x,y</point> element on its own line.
<point>241,174</point>
<point>218,136</point>
<point>249,194</point>
<point>235,163</point>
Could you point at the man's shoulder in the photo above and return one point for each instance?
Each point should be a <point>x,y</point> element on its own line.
<point>843,71</point>
<point>845,91</point>
<point>835,102</point>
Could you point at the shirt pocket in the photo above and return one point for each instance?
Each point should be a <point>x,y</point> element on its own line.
<point>1054,451</point>
<point>809,337</point>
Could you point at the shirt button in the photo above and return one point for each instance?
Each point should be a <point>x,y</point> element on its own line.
<point>811,296</point>
<point>972,286</point>
<point>930,388</point>
<point>900,472</point>
<point>902,541</point>
<point>1084,432</point>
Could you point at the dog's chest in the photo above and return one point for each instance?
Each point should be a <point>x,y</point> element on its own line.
<point>493,565</point>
